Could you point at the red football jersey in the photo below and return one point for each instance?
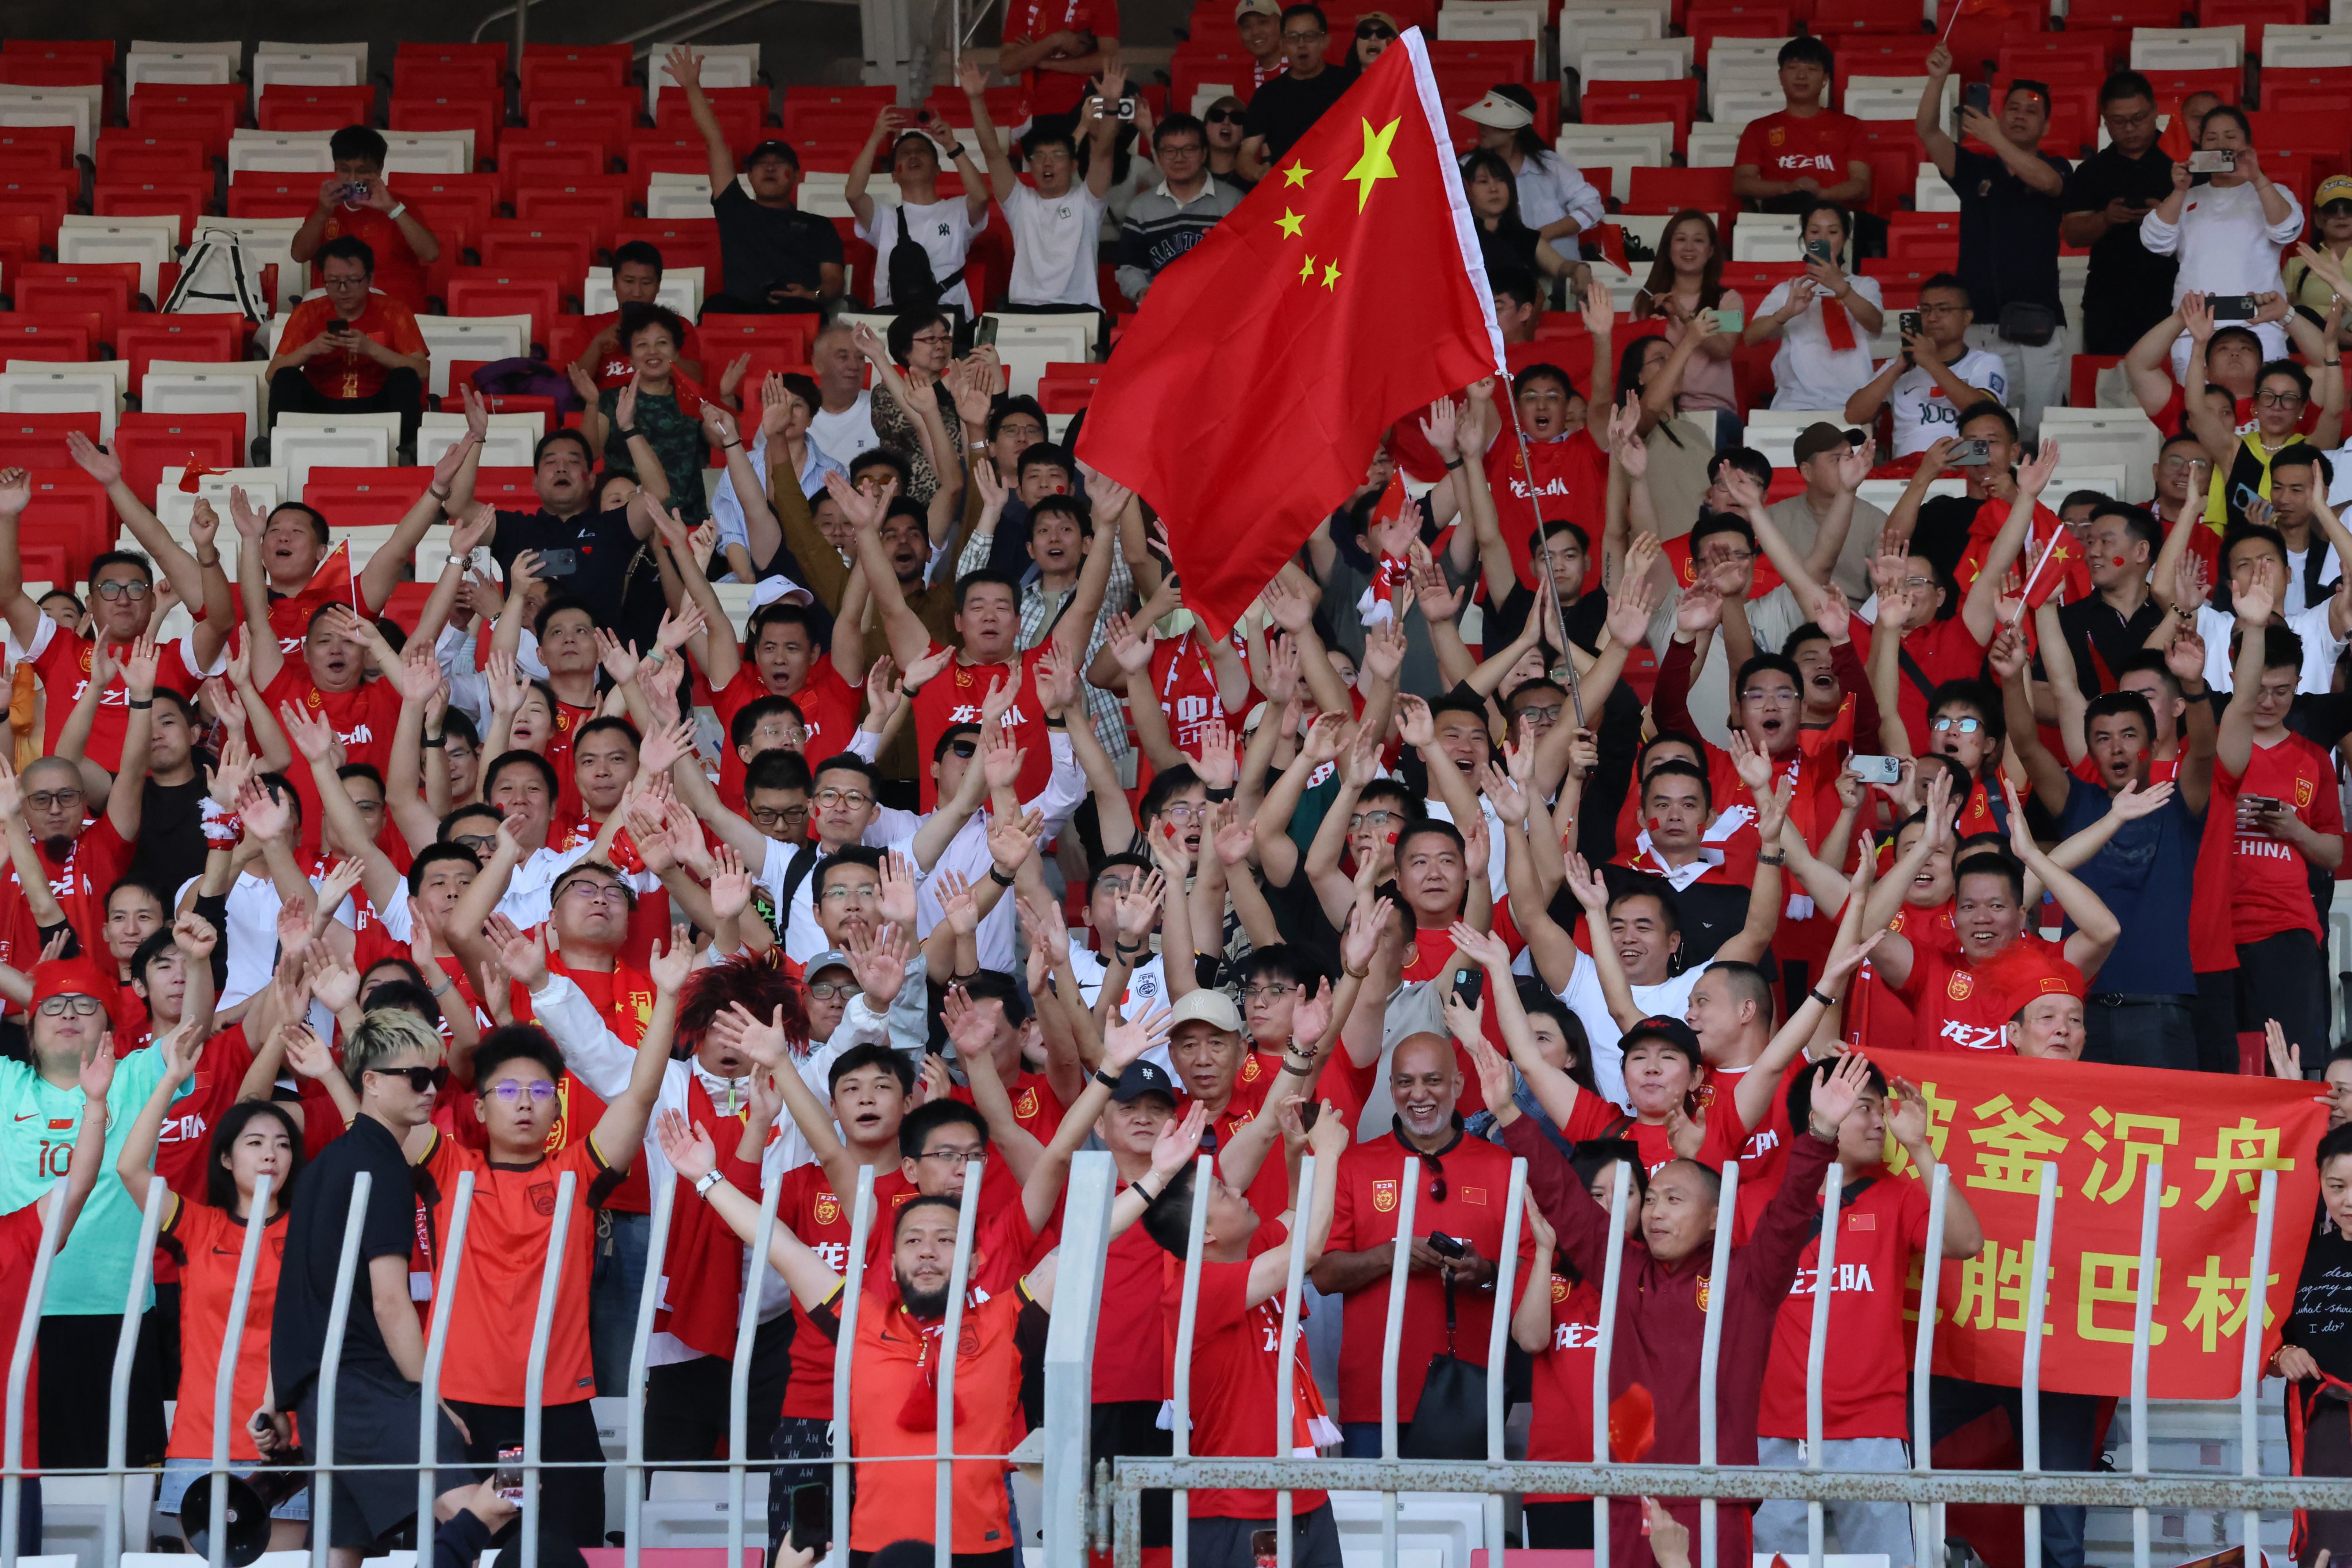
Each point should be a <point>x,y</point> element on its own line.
<point>954,697</point>
<point>1882,1226</point>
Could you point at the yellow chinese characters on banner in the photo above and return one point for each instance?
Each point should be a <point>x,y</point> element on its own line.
<point>1995,1121</point>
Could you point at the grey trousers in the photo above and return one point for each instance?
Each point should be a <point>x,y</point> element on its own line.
<point>2037,376</point>
<point>1857,1526</point>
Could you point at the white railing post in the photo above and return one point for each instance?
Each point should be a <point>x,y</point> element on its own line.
<point>1498,1339</point>
<point>2258,1302</point>
<point>1817,1350</point>
<point>1069,1354</point>
<point>1286,1371</point>
<point>437,1346</point>
<point>1710,1352</point>
<point>534,1372</point>
<point>633,1467</point>
<point>1924,1516</point>
<point>951,1343</point>
<point>1188,1312</point>
<point>2143,1315</point>
<point>20,1373</point>
<point>126,1352</point>
<point>330,1366</point>
<point>240,1302</point>
<point>1392,1333</point>
<point>739,1377</point>
<point>1613,1268</point>
<point>2029,1391</point>
<point>845,1356</point>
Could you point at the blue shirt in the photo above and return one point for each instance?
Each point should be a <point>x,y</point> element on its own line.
<point>2143,876</point>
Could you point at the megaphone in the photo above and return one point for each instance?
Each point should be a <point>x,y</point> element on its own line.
<point>250,1504</point>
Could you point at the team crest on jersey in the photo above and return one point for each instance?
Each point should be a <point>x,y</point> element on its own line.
<point>314,700</point>
<point>88,657</point>
<point>1559,1288</point>
<point>562,720</point>
<point>543,1197</point>
<point>1961,985</point>
<point>1026,1105</point>
<point>2301,794</point>
<point>1776,136</point>
<point>963,675</point>
<point>1704,1284</point>
<point>828,1208</point>
<point>1251,1072</point>
<point>1384,1196</point>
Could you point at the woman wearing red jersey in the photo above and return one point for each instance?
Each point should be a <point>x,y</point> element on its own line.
<point>255,1139</point>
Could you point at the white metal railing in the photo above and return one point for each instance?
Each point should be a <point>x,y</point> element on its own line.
<point>1068,1487</point>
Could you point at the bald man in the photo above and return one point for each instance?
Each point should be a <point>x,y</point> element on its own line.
<point>1457,1235</point>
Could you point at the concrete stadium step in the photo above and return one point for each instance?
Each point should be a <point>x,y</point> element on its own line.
<point>2190,1436</point>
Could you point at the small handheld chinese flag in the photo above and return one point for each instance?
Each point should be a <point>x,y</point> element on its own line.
<point>1632,1425</point>
<point>333,580</point>
<point>1246,400</point>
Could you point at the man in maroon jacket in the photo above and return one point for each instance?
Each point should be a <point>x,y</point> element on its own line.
<point>1663,1288</point>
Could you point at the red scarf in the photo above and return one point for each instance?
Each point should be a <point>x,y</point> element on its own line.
<point>702,1272</point>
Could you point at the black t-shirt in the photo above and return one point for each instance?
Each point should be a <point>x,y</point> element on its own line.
<point>171,848</point>
<point>314,1245</point>
<point>1586,618</point>
<point>612,571</point>
<point>2321,1321</point>
<point>761,248</point>
<point>1282,110</point>
<point>2093,626</point>
<point>1942,533</point>
<point>2008,235</point>
<point>2129,290</point>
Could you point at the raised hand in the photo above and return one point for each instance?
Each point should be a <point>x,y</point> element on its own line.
<point>1011,842</point>
<point>897,907</point>
<point>1835,1089</point>
<point>525,958</point>
<point>878,964</point>
<point>1586,885</point>
<point>335,984</point>
<point>1483,948</point>
<point>730,883</point>
<point>669,967</point>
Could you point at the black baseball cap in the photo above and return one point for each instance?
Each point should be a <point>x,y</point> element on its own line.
<point>1142,1078</point>
<point>1673,1031</point>
<point>772,148</point>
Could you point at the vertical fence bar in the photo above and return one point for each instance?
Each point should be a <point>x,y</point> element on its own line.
<point>738,1378</point>
<point>2258,1301</point>
<point>1817,1351</point>
<point>1498,1339</point>
<point>1710,1352</point>
<point>2143,1315</point>
<point>1188,1312</point>
<point>845,1356</point>
<point>126,1350</point>
<point>20,1373</point>
<point>534,1372</point>
<point>1611,1271</point>
<point>436,1346</point>
<point>1931,1280</point>
<point>1286,1370</point>
<point>633,1467</point>
<point>1393,1333</point>
<point>330,1366</point>
<point>240,1302</point>
<point>1069,1354</point>
<point>2029,1382</point>
<point>951,1339</point>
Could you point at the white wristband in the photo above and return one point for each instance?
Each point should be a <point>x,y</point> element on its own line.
<point>709,1180</point>
<point>395,211</point>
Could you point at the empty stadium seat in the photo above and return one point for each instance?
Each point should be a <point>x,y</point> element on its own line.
<point>297,442</point>
<point>147,442</point>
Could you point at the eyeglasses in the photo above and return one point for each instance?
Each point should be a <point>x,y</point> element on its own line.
<point>842,892</point>
<point>424,1080</point>
<point>853,799</point>
<point>1183,811</point>
<point>509,1090</point>
<point>775,817</point>
<point>1547,715</point>
<point>118,588</point>
<point>933,337</point>
<point>953,1156</point>
<point>479,843</point>
<point>1965,726</point>
<point>588,892</point>
<point>831,990</point>
<point>2176,463</point>
<point>1269,990</point>
<point>358,282</point>
<point>1727,558</point>
<point>1767,694</point>
<point>1224,117</point>
<point>2278,399</point>
<point>52,799</point>
<point>76,1005</point>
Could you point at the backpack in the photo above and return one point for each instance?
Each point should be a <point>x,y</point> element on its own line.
<point>913,286</point>
<point>217,278</point>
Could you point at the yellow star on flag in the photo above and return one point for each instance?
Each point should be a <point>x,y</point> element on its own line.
<point>1307,273</point>
<point>1375,165</point>
<point>1295,174</point>
<point>1330,274</point>
<point>1289,222</point>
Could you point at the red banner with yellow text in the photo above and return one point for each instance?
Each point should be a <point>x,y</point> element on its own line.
<point>1995,1119</point>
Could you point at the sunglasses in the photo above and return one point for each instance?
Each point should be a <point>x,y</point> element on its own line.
<point>1373,30</point>
<point>964,748</point>
<point>424,1080</point>
<point>1224,117</point>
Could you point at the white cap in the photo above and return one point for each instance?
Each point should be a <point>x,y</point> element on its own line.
<point>1499,112</point>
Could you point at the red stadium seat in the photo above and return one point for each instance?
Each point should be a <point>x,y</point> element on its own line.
<point>564,70</point>
<point>1067,388</point>
<point>2172,87</point>
<point>1881,54</point>
<point>70,510</point>
<point>1643,103</point>
<point>209,113</point>
<point>35,149</point>
<point>284,106</point>
<point>742,113</point>
<point>20,241</point>
<point>724,336</point>
<point>128,155</point>
<point>1672,190</point>
<point>2123,16</point>
<point>415,76</point>
<point>683,242</point>
<point>489,291</point>
<point>405,606</point>
<point>99,49</point>
<point>259,193</point>
<point>495,52</point>
<point>603,119</point>
<point>364,498</point>
<point>184,197</point>
<point>44,197</point>
<point>55,286</point>
<point>595,207</point>
<point>207,339</point>
<point>566,337</point>
<point>38,440</point>
<point>149,442</point>
<point>527,158</point>
<point>2085,49</point>
<point>55,337</point>
<point>457,203</point>
<point>508,489</point>
<point>2297,91</point>
<point>455,111</point>
<point>520,242</point>
<point>1925,236</point>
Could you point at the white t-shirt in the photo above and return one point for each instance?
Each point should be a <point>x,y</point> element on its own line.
<point>1054,243</point>
<point>1807,372</point>
<point>2320,646</point>
<point>1923,415</point>
<point>848,435</point>
<point>1668,998</point>
<point>944,230</point>
<point>2330,570</point>
<point>1551,188</point>
<point>1147,987</point>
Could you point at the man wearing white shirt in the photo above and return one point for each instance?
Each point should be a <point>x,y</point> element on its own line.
<point>1935,376</point>
<point>844,421</point>
<point>2323,627</point>
<point>1057,222</point>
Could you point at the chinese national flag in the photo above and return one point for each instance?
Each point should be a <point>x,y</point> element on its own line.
<point>1342,295</point>
<point>333,580</point>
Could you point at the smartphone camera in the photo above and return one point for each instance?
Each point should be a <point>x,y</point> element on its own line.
<point>1969,455</point>
<point>1875,770</point>
<point>1908,323</point>
<point>1979,96</point>
<point>510,1476</point>
<point>2230,307</point>
<point>811,1526</point>
<point>2213,162</point>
